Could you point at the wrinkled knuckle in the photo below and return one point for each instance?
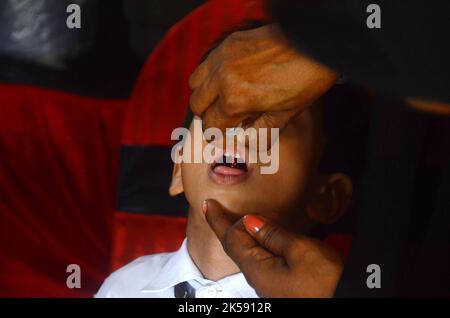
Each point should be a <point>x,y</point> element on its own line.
<point>225,73</point>
<point>253,254</point>
<point>234,104</point>
<point>227,78</point>
<point>270,237</point>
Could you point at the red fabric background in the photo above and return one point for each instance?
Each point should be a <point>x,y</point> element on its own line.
<point>58,172</point>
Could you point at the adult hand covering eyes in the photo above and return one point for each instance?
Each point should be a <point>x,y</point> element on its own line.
<point>275,262</point>
<point>258,78</point>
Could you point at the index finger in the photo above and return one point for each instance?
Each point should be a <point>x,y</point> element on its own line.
<point>236,241</point>
<point>204,69</point>
<point>199,75</point>
<point>214,117</point>
<point>256,263</point>
<point>221,220</point>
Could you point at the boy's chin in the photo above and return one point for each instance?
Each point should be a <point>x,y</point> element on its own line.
<point>240,208</point>
<point>236,209</point>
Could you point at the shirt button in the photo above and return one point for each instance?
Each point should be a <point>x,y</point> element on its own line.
<point>211,292</point>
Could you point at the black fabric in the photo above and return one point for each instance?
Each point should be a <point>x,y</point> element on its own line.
<point>151,19</point>
<point>403,206</point>
<point>35,31</point>
<point>145,175</point>
<point>345,117</point>
<point>408,56</point>
<point>102,59</point>
<point>95,60</point>
<point>403,212</point>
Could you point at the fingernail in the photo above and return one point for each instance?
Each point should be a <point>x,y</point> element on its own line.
<point>205,206</point>
<point>253,223</point>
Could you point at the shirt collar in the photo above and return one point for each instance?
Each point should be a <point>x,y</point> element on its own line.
<point>179,267</point>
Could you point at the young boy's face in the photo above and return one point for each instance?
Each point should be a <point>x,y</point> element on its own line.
<point>293,190</point>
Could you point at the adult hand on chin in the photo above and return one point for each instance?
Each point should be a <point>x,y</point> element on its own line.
<point>275,262</point>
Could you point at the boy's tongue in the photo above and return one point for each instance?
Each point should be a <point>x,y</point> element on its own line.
<point>230,166</point>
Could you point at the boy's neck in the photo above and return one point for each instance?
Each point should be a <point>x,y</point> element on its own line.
<point>206,250</point>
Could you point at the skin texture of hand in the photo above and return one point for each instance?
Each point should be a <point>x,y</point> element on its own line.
<point>257,78</point>
<point>275,262</point>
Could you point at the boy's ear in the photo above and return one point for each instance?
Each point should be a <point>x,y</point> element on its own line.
<point>330,198</point>
<point>176,186</point>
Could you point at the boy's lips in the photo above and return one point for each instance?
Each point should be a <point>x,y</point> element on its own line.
<point>229,170</point>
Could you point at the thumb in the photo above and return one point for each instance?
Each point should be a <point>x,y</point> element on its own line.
<point>273,237</point>
<point>276,119</point>
<point>217,117</point>
<point>270,121</point>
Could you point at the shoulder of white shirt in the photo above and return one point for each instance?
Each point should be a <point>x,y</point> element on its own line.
<point>131,278</point>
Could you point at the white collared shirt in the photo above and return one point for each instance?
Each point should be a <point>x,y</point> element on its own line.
<point>154,276</point>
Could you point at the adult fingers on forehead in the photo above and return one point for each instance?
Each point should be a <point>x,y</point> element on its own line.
<point>215,117</point>
<point>199,75</point>
<point>221,83</point>
<point>205,69</point>
<point>206,64</point>
<point>274,119</point>
<point>203,96</point>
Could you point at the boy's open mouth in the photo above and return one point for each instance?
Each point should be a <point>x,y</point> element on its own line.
<point>230,169</point>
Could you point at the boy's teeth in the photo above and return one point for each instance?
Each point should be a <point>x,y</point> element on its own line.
<point>231,163</point>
